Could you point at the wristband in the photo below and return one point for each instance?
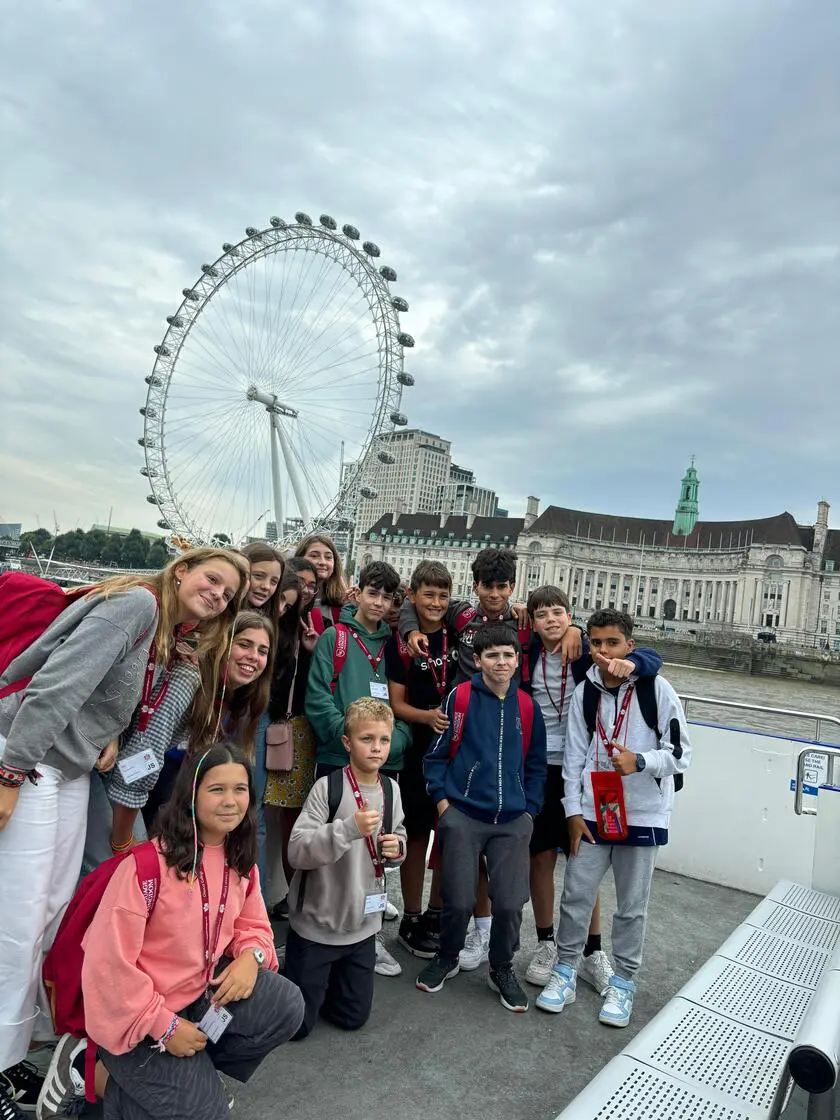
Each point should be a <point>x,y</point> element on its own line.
<point>12,778</point>
<point>117,849</point>
<point>167,1034</point>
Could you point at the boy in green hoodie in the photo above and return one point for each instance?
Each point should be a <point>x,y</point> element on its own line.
<point>348,663</point>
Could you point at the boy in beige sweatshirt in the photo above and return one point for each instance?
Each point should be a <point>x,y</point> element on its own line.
<point>349,830</point>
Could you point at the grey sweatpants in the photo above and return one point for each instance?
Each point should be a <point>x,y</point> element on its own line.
<point>145,1084</point>
<point>462,840</point>
<point>633,875</point>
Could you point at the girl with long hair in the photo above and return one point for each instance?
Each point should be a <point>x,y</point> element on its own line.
<point>266,573</point>
<point>107,652</point>
<point>332,589</point>
<point>286,790</point>
<point>151,983</point>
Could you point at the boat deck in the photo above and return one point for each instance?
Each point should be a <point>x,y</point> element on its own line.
<point>460,1054</point>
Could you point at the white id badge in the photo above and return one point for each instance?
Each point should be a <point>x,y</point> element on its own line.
<point>215,1022</point>
<point>379,690</point>
<point>375,902</point>
<point>138,766</point>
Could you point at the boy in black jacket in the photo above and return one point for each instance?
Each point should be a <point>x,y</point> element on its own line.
<point>487,797</point>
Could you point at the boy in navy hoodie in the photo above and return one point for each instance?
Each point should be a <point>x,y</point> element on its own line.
<point>487,797</point>
<point>619,792</point>
<point>552,680</point>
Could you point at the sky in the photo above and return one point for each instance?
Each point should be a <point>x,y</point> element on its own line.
<point>615,224</point>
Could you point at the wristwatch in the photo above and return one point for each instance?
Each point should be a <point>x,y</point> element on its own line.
<point>259,956</point>
<point>640,763</point>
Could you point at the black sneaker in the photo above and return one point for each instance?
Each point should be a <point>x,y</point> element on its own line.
<point>8,1109</point>
<point>22,1084</point>
<point>63,1091</point>
<point>436,973</point>
<point>415,937</point>
<point>280,911</point>
<point>503,980</point>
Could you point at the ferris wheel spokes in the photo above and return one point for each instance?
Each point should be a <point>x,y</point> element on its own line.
<point>275,409</point>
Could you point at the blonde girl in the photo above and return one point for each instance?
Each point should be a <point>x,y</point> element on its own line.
<point>89,670</point>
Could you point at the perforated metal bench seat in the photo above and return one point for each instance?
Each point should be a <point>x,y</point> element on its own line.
<point>719,1049</point>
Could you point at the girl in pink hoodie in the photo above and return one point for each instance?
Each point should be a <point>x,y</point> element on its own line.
<point>192,991</point>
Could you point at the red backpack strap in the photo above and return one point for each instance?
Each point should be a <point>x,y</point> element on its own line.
<point>524,634</point>
<point>463,695</point>
<point>404,652</point>
<point>147,865</point>
<point>342,638</point>
<point>464,618</point>
<point>526,717</point>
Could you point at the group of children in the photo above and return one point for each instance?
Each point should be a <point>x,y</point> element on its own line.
<point>338,734</point>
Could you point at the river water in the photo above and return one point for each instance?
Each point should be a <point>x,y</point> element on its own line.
<point>765,692</point>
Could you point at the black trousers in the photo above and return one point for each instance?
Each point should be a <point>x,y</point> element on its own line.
<point>146,1084</point>
<point>335,981</point>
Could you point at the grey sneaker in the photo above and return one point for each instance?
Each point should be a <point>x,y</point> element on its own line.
<point>63,1091</point>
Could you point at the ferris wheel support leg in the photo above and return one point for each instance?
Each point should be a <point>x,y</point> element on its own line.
<point>276,480</point>
<point>294,474</point>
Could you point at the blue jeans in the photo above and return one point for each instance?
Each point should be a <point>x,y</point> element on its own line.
<point>260,780</point>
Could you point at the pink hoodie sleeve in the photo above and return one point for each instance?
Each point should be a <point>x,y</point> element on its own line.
<point>252,928</point>
<point>122,1006</point>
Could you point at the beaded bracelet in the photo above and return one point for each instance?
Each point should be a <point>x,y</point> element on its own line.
<point>167,1034</point>
<point>12,778</point>
<point>118,848</point>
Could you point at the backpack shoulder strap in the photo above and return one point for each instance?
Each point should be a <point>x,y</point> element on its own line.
<point>147,866</point>
<point>464,618</point>
<point>463,695</point>
<point>646,695</point>
<point>526,717</point>
<point>335,792</point>
<point>404,652</point>
<point>525,634</point>
<point>342,638</point>
<point>591,699</point>
<point>387,805</point>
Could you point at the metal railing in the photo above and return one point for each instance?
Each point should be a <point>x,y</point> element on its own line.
<point>817,718</point>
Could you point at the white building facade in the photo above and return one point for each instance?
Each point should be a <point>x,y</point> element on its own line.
<point>412,482</point>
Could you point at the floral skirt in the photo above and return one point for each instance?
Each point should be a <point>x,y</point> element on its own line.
<point>288,788</point>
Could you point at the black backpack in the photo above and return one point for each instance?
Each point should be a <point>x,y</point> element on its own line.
<point>335,792</point>
<point>646,695</point>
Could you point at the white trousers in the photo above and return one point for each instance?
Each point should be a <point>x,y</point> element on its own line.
<point>40,856</point>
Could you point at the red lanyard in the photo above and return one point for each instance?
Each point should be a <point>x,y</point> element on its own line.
<point>374,664</point>
<point>378,869</point>
<point>149,706</point>
<point>616,731</point>
<point>564,676</point>
<point>210,950</point>
<point>440,681</point>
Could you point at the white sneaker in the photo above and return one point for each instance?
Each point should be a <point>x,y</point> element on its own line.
<point>596,970</point>
<point>476,950</point>
<point>542,962</point>
<point>560,991</point>
<point>618,1004</point>
<point>391,912</point>
<point>385,963</point>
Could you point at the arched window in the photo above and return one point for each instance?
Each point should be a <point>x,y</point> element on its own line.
<point>774,561</point>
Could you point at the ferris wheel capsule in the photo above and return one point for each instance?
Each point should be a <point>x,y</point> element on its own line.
<point>303,219</point>
<point>388,273</point>
<point>399,418</point>
<point>278,223</point>
<point>368,492</point>
<point>164,351</point>
<point>405,378</point>
<point>351,232</point>
<point>151,499</point>
<point>209,270</point>
<point>327,222</point>
<point>371,248</point>
<point>399,304</point>
<point>231,250</point>
<point>405,339</point>
<point>174,321</point>
<point>386,457</point>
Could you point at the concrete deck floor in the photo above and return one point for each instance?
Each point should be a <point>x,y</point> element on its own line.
<point>460,1054</point>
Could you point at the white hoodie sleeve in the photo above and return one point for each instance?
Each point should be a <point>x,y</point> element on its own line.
<point>574,756</point>
<point>674,753</point>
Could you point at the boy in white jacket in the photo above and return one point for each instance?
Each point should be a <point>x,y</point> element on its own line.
<point>621,828</point>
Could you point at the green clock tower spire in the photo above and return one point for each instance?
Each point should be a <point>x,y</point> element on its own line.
<point>688,509</point>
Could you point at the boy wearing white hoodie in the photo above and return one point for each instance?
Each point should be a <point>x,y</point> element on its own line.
<point>619,791</point>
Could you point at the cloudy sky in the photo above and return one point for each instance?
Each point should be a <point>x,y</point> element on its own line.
<point>616,224</point>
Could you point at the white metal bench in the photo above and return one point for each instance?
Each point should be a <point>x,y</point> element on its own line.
<point>719,1050</point>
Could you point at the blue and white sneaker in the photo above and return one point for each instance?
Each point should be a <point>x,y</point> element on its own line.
<point>618,1004</point>
<point>560,991</point>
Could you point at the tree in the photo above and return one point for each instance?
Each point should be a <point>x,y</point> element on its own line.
<point>37,540</point>
<point>157,555</point>
<point>94,545</point>
<point>112,552</point>
<point>134,550</point>
<point>68,546</point>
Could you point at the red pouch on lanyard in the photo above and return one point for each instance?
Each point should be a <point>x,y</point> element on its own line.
<point>610,815</point>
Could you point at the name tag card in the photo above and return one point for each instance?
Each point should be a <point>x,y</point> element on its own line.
<point>138,766</point>
<point>215,1022</point>
<point>379,690</point>
<point>375,902</point>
